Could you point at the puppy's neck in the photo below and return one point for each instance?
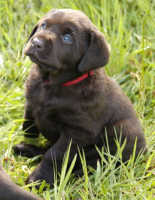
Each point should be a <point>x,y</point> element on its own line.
<point>64,79</point>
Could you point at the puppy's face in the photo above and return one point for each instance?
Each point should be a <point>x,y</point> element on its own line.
<point>67,40</point>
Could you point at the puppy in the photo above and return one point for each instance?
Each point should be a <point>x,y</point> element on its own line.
<point>69,98</point>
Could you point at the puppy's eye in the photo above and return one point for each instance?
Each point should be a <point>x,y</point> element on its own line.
<point>43,26</point>
<point>67,38</point>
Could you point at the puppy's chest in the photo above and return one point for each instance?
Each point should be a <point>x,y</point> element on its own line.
<point>58,109</point>
<point>54,107</point>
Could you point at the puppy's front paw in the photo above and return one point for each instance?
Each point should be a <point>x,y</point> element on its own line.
<point>44,172</point>
<point>27,150</point>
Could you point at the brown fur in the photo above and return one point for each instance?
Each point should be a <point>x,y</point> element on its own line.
<point>84,112</point>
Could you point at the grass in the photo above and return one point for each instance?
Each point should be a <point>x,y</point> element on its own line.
<point>129,27</point>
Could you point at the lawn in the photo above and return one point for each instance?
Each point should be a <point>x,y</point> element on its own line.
<point>129,27</point>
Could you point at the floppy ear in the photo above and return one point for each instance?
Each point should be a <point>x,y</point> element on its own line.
<point>33,32</point>
<point>97,54</point>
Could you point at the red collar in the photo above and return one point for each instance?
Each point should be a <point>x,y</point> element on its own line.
<point>79,79</point>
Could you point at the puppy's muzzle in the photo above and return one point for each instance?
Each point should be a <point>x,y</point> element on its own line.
<point>36,45</point>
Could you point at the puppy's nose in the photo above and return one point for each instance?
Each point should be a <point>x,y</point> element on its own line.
<point>37,43</point>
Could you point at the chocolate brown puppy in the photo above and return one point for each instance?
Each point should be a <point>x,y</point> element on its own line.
<point>10,191</point>
<point>69,98</point>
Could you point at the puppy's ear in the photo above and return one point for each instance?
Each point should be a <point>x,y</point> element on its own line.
<point>33,32</point>
<point>97,54</point>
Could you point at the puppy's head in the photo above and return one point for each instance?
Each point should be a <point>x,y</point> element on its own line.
<point>67,40</point>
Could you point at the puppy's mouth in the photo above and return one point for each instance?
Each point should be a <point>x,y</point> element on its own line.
<point>42,65</point>
<point>46,70</point>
